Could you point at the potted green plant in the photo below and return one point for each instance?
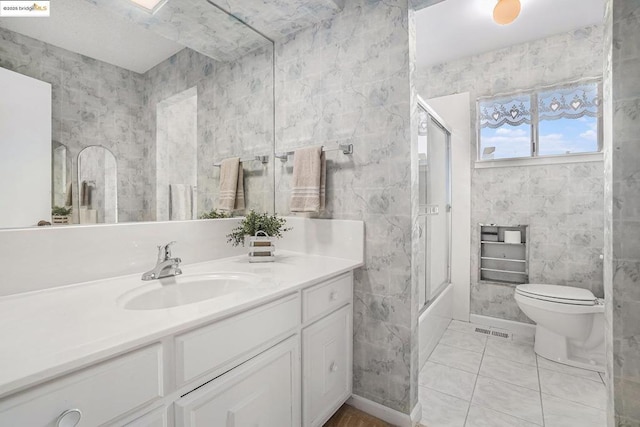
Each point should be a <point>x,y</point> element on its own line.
<point>262,230</point>
<point>60,214</point>
<point>215,214</point>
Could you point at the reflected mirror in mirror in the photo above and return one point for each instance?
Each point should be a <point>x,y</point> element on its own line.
<point>167,96</point>
<point>60,175</point>
<point>98,178</point>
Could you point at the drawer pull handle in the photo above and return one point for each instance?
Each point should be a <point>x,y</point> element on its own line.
<point>69,418</point>
<point>333,367</point>
<point>333,296</point>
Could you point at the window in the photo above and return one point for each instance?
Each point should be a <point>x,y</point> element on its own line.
<point>557,121</point>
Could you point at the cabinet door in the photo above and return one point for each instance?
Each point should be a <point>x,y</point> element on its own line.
<point>326,364</point>
<point>262,392</point>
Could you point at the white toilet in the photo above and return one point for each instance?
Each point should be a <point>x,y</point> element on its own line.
<point>569,324</point>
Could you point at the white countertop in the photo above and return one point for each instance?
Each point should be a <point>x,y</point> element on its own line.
<point>51,332</point>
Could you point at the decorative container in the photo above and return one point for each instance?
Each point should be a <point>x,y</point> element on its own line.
<point>261,247</point>
<point>60,219</point>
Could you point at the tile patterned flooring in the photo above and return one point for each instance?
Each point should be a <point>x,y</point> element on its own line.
<point>475,380</point>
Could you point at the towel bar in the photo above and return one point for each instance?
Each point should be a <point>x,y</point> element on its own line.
<point>345,148</point>
<point>262,159</point>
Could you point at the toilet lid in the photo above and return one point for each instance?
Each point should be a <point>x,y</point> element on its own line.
<point>558,294</point>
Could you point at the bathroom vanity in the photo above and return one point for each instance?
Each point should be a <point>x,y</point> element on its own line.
<point>277,352</point>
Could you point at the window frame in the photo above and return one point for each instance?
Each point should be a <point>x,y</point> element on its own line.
<point>534,143</point>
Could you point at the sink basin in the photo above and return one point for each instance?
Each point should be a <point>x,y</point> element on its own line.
<point>187,289</point>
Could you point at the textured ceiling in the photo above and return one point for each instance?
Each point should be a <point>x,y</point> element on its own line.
<point>192,23</point>
<point>277,18</point>
<point>79,26</point>
<point>120,33</point>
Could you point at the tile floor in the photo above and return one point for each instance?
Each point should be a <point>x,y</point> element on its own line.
<point>475,380</point>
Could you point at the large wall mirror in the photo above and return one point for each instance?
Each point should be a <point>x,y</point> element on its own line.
<point>143,107</point>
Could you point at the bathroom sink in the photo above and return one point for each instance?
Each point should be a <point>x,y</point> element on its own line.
<point>187,289</point>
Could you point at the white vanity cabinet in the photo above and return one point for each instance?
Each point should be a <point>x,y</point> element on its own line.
<point>327,349</point>
<point>284,363</point>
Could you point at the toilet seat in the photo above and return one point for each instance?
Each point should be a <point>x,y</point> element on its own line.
<point>558,294</point>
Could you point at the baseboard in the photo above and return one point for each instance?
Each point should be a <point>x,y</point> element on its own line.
<point>518,328</point>
<point>386,414</point>
<point>416,414</point>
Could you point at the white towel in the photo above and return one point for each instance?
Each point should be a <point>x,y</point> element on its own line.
<point>180,202</point>
<point>88,216</point>
<point>231,185</point>
<point>308,182</point>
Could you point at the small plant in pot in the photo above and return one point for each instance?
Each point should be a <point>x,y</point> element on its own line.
<point>60,214</point>
<point>262,230</point>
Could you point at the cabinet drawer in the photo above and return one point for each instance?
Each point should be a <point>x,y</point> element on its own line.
<point>215,347</point>
<point>102,392</point>
<point>263,392</point>
<point>326,366</point>
<point>325,297</point>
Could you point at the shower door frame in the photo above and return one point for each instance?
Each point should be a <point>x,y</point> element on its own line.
<point>442,124</point>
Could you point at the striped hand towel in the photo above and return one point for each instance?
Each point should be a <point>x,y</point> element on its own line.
<point>309,176</point>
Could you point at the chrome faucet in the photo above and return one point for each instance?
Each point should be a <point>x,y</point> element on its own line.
<point>166,266</point>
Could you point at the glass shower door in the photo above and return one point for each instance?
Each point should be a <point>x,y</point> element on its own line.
<point>435,209</point>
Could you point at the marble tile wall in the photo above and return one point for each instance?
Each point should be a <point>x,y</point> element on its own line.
<point>94,103</point>
<point>243,112</point>
<point>563,204</point>
<point>348,80</point>
<point>622,205</point>
<point>177,149</point>
<point>235,118</point>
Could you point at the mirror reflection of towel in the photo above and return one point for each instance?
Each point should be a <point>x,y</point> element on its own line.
<point>180,202</point>
<point>69,195</point>
<point>85,194</point>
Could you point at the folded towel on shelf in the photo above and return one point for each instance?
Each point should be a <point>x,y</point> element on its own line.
<point>308,182</point>
<point>231,185</point>
<point>180,202</point>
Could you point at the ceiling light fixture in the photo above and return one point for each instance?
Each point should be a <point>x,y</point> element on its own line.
<point>151,6</point>
<point>506,11</point>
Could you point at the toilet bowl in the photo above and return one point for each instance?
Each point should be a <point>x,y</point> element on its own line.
<point>569,324</point>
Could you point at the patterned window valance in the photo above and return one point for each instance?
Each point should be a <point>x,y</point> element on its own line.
<point>570,102</point>
<point>513,111</point>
